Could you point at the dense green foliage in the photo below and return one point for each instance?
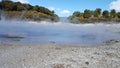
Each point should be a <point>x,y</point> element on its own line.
<point>113,13</point>
<point>87,14</point>
<point>97,12</point>
<point>118,14</point>
<point>33,12</point>
<point>105,14</point>
<point>95,16</point>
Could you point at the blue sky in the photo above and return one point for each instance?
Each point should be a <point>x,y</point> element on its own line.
<point>67,7</point>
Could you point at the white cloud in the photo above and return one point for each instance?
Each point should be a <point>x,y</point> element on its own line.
<point>65,12</point>
<point>22,1</point>
<point>51,8</point>
<point>115,5</point>
<point>59,11</point>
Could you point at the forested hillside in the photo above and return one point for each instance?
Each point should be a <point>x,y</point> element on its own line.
<point>96,15</point>
<point>16,9</point>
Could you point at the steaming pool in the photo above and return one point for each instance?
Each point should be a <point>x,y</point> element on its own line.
<point>59,33</point>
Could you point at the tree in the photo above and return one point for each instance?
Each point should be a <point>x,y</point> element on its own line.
<point>118,14</point>
<point>113,13</point>
<point>97,12</point>
<point>53,11</point>
<point>76,14</point>
<point>105,14</point>
<point>27,6</point>
<point>87,14</point>
<point>0,5</point>
<point>36,8</point>
<point>45,11</point>
<point>6,5</point>
<point>19,6</point>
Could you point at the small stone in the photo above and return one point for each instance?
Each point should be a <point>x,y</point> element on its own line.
<point>84,67</point>
<point>57,48</point>
<point>87,63</point>
<point>58,66</point>
<point>92,57</point>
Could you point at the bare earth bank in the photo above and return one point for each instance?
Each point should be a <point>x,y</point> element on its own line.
<point>56,56</point>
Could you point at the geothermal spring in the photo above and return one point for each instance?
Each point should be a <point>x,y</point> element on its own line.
<point>61,32</point>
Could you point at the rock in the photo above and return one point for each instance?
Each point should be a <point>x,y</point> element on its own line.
<point>58,66</point>
<point>112,41</point>
<point>87,63</point>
